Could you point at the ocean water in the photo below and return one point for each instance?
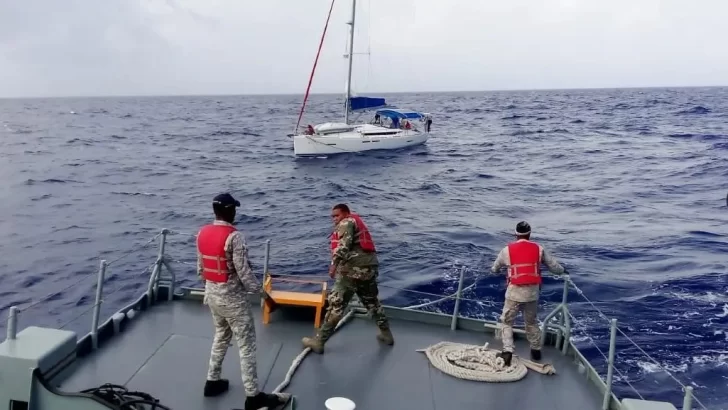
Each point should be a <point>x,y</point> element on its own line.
<point>626,187</point>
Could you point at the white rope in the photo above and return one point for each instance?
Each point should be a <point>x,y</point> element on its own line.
<point>297,361</point>
<point>477,363</point>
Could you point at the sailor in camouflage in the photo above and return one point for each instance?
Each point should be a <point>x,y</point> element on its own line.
<point>222,263</point>
<point>355,267</point>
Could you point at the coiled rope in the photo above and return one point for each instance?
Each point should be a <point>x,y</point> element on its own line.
<point>463,361</point>
<point>478,363</point>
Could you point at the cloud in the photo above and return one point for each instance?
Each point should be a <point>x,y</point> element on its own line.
<point>91,47</point>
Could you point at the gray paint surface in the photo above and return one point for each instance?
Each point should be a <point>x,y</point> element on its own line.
<point>165,352</point>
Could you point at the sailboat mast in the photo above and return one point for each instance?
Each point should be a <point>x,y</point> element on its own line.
<point>351,60</point>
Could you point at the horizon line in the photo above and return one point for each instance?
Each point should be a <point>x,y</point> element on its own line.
<point>367,93</point>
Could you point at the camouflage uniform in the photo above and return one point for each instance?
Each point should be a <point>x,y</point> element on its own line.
<point>231,312</point>
<point>356,273</point>
<point>523,298</point>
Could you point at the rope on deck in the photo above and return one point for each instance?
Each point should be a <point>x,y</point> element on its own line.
<point>478,363</point>
<point>297,361</point>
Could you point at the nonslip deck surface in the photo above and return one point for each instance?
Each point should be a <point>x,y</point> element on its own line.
<point>165,352</point>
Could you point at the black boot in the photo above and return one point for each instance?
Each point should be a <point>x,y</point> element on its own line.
<point>216,387</point>
<point>535,354</point>
<point>264,401</point>
<point>506,356</point>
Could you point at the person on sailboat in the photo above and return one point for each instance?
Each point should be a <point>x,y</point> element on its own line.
<point>355,266</point>
<point>523,259</point>
<point>428,123</point>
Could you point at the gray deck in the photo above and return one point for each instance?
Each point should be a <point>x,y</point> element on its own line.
<point>165,352</point>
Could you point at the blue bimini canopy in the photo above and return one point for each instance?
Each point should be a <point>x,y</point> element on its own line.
<point>366,103</point>
<point>400,114</point>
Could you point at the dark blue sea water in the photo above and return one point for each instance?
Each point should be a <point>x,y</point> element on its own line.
<point>626,187</point>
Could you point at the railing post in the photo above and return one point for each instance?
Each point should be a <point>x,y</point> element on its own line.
<point>172,280</point>
<point>12,329</point>
<point>558,309</point>
<point>97,305</point>
<point>454,322</point>
<point>567,330</point>
<point>267,257</point>
<point>150,287</point>
<point>563,319</point>
<point>160,260</point>
<point>610,364</point>
<point>688,400</point>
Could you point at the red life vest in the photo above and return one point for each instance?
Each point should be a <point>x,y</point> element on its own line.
<point>525,267</point>
<point>365,238</point>
<point>211,245</point>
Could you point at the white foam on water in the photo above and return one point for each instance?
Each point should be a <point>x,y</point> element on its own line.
<point>707,297</point>
<point>725,311</point>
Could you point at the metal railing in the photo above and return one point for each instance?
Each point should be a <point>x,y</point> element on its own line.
<point>154,281</point>
<point>558,319</point>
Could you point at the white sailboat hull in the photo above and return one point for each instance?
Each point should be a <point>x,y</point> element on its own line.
<point>356,141</point>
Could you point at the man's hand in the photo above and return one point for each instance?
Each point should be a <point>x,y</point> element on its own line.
<point>332,271</point>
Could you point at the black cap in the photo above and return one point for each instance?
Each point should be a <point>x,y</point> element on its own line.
<point>225,200</point>
<point>523,228</point>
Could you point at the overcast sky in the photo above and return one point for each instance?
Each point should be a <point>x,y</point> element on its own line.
<point>162,47</point>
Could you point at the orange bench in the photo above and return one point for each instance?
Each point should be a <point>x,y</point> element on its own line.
<point>284,297</point>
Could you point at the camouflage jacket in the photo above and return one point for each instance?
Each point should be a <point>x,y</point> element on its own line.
<point>241,279</point>
<point>349,258</point>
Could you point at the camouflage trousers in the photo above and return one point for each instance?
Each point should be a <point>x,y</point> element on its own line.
<point>510,311</point>
<point>340,296</point>
<point>235,321</point>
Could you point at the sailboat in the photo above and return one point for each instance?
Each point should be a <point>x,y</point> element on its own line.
<point>390,127</point>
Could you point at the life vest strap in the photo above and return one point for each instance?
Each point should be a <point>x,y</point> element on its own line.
<point>218,272</point>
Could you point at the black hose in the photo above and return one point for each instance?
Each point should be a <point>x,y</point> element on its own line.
<point>124,399</point>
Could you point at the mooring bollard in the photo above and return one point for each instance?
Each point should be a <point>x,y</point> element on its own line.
<point>339,403</point>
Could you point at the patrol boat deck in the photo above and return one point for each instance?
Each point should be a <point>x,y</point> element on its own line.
<point>166,350</point>
<point>163,348</point>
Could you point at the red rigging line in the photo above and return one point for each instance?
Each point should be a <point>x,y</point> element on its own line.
<point>310,79</point>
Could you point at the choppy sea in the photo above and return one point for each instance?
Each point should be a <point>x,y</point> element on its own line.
<point>626,187</point>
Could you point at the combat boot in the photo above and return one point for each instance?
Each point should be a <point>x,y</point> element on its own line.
<point>216,387</point>
<point>314,343</point>
<point>507,357</point>
<point>535,354</point>
<point>264,401</point>
<point>385,336</point>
